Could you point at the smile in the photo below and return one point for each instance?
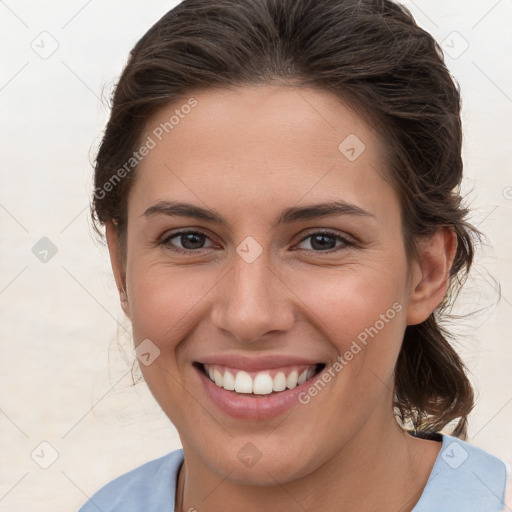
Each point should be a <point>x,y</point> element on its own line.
<point>263,382</point>
<point>255,389</point>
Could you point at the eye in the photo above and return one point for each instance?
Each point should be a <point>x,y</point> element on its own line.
<point>191,241</point>
<point>324,239</point>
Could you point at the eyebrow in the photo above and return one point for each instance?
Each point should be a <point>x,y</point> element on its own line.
<point>288,215</point>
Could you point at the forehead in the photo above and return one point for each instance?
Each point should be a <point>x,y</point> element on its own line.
<point>262,145</point>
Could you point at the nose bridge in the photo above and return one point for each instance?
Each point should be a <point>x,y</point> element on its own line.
<point>252,301</point>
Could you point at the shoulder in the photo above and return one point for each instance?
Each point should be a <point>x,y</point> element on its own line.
<point>463,478</point>
<point>147,488</point>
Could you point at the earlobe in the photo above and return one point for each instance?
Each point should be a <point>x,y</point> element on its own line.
<point>434,269</point>
<point>117,268</point>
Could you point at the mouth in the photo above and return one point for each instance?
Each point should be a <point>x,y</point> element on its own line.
<point>259,384</point>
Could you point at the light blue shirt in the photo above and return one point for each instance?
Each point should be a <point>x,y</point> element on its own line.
<point>464,479</point>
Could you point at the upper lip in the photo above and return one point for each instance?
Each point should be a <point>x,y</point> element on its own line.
<point>256,363</point>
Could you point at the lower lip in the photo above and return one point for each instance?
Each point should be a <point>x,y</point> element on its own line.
<point>252,407</point>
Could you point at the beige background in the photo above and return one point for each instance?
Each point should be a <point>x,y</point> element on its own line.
<point>64,380</point>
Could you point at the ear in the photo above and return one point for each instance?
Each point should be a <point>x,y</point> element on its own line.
<point>431,275</point>
<point>117,268</point>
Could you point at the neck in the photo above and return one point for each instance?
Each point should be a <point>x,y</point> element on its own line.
<point>387,471</point>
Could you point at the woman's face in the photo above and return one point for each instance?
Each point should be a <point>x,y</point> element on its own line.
<point>269,282</point>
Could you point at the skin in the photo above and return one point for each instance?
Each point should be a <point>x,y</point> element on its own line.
<point>248,153</point>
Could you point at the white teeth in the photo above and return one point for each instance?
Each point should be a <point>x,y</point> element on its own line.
<point>229,381</point>
<point>291,380</point>
<point>262,384</point>
<point>218,378</point>
<point>279,383</point>
<point>243,382</point>
<point>302,377</point>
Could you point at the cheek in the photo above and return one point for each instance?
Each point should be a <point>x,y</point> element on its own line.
<point>164,305</point>
<point>163,301</point>
<point>351,302</point>
<point>361,312</point>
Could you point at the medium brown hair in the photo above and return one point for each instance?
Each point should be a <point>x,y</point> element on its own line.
<point>372,55</point>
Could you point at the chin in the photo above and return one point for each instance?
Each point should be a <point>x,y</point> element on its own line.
<point>245,464</point>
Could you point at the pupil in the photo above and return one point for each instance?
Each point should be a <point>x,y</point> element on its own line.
<point>190,237</point>
<point>322,244</point>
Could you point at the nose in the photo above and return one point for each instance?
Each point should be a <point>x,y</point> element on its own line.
<point>252,300</point>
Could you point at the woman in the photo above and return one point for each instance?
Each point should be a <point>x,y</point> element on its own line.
<point>278,183</point>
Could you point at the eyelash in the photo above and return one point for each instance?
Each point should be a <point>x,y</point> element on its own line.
<point>332,234</point>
